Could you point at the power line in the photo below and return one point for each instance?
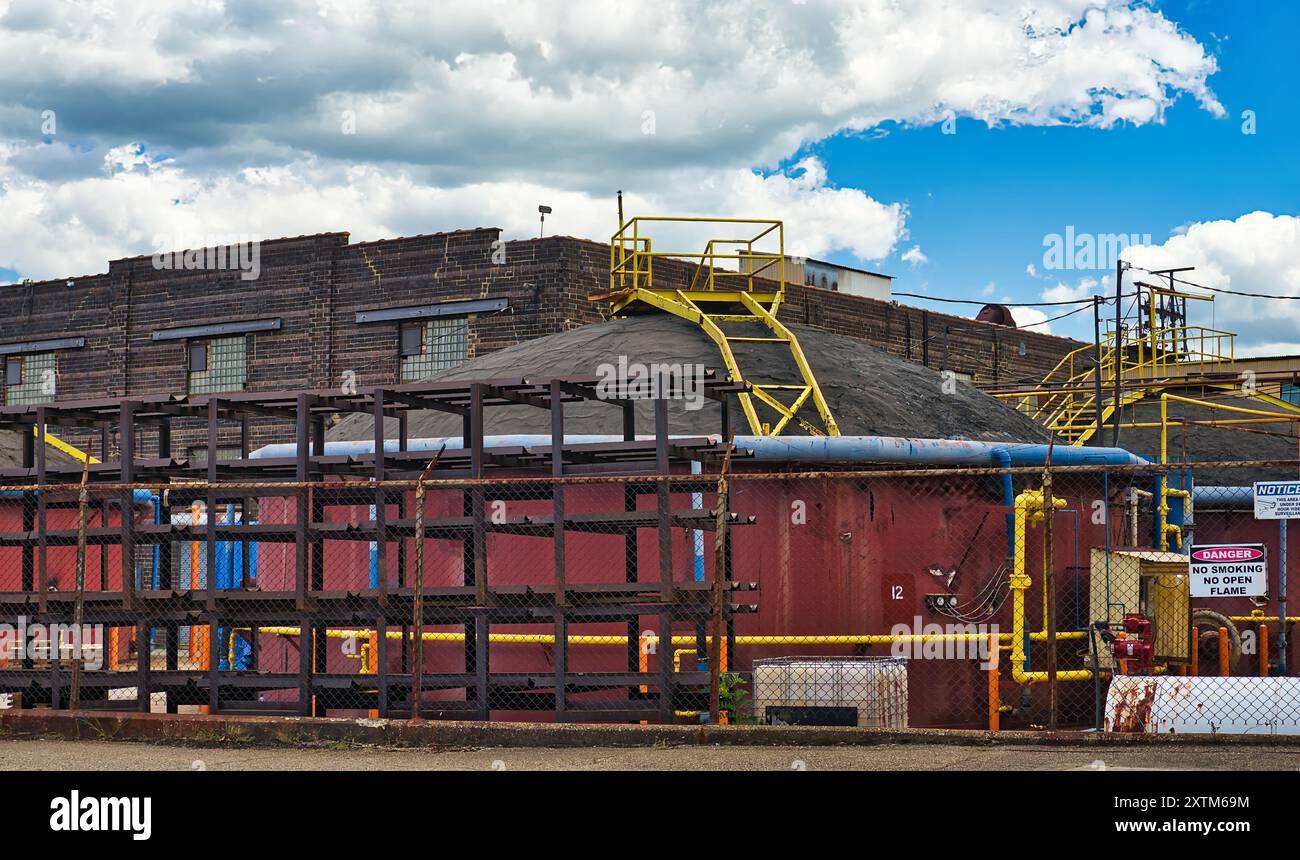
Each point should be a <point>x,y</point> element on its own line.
<point>1087,301</point>
<point>1215,289</point>
<point>1055,318</point>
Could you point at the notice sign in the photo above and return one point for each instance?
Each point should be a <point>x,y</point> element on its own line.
<point>1277,500</point>
<point>1229,570</point>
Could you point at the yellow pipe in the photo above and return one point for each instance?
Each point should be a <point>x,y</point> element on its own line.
<point>1029,507</point>
<point>683,639</point>
<point>1262,617</point>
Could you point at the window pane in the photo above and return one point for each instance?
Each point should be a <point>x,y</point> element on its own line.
<point>412,344</point>
<point>446,345</point>
<point>39,378</point>
<point>198,357</point>
<point>198,455</point>
<point>14,371</point>
<point>227,366</point>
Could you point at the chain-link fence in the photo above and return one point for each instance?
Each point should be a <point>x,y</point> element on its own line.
<point>1075,597</point>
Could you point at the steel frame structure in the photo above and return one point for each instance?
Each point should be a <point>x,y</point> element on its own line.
<point>316,481</point>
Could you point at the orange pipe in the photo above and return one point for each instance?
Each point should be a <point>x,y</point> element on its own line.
<point>1196,651</point>
<point>373,666</point>
<point>113,645</point>
<point>1263,650</point>
<point>1223,652</point>
<point>722,667</point>
<point>995,700</point>
<point>643,665</point>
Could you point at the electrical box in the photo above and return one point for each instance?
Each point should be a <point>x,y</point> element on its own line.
<point>1151,583</point>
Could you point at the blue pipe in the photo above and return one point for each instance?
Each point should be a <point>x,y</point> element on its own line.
<point>875,449</point>
<point>1228,497</point>
<point>1003,457</point>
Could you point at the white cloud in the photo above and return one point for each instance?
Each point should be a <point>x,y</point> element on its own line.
<point>471,114</point>
<point>915,256</point>
<point>1256,253</point>
<point>1032,319</point>
<point>1065,293</point>
<point>85,222</point>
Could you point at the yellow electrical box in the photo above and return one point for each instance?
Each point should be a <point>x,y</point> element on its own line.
<point>1152,583</point>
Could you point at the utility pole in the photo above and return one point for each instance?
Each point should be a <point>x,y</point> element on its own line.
<point>1118,347</point>
<point>1097,302</point>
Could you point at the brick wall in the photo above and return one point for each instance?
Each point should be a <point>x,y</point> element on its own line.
<point>316,285</point>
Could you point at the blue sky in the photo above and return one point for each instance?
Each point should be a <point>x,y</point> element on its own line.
<point>981,200</point>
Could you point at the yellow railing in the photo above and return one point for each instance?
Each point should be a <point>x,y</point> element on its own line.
<point>715,296</point>
<point>1064,401</point>
<point>632,255</point>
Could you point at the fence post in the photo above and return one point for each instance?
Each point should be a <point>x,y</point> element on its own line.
<point>1049,594</point>
<point>79,602</point>
<point>716,631</point>
<point>417,602</point>
<point>417,605</point>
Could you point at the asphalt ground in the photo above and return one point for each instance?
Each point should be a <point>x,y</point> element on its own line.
<point>43,754</point>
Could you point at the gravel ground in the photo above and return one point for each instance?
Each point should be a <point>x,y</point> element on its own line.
<point>98,755</point>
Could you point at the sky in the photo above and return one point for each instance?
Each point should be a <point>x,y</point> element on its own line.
<point>954,145</point>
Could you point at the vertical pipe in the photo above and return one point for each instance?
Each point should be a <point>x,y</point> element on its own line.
<point>1263,650</point>
<point>1223,652</point>
<point>1196,652</point>
<point>1281,598</point>
<point>995,700</point>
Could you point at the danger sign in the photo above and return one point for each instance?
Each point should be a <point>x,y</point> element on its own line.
<point>1229,570</point>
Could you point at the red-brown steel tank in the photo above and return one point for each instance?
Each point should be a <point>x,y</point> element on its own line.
<point>860,563</point>
<point>831,555</point>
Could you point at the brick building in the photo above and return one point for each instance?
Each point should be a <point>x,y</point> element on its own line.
<point>324,312</point>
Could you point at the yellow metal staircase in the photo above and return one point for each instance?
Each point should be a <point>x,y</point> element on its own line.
<point>1164,359</point>
<point>732,305</point>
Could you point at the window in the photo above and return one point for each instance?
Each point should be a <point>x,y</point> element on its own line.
<point>219,364</point>
<point>198,455</point>
<point>437,344</point>
<point>412,340</point>
<point>31,378</point>
<point>1291,393</point>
